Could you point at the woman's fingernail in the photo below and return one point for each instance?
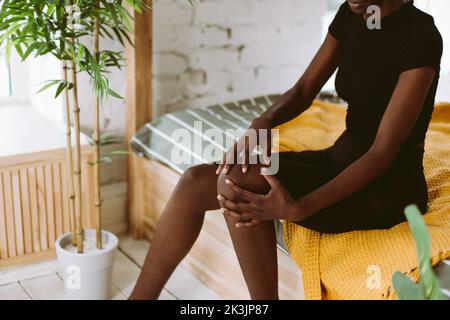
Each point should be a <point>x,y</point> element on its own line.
<point>227,181</point>
<point>219,197</point>
<point>244,169</point>
<point>238,225</point>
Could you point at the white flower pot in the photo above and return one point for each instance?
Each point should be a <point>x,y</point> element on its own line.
<point>87,276</point>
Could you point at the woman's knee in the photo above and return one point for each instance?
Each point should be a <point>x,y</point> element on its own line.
<point>252,181</point>
<point>199,176</point>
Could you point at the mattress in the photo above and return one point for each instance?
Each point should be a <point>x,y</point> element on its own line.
<point>173,135</point>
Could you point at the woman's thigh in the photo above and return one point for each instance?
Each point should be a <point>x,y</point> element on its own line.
<point>302,172</point>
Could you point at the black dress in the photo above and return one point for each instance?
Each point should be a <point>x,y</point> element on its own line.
<point>370,62</point>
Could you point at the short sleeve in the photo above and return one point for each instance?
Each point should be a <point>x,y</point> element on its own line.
<point>424,49</point>
<point>340,21</point>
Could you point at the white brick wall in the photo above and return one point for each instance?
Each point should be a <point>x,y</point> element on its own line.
<point>222,50</point>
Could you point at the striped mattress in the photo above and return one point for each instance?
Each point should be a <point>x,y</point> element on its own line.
<point>157,139</point>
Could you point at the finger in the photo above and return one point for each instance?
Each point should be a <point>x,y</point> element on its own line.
<point>225,203</point>
<point>230,159</point>
<point>271,180</point>
<point>222,164</point>
<point>246,155</point>
<point>267,147</point>
<point>241,217</point>
<point>233,205</point>
<point>232,214</point>
<point>245,194</point>
<point>220,199</point>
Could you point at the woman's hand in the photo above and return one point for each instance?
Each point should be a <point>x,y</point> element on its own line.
<point>245,145</point>
<point>256,208</point>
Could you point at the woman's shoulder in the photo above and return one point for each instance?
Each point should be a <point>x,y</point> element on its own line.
<point>423,44</point>
<point>421,22</point>
<point>344,9</point>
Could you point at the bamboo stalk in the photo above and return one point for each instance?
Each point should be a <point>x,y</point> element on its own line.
<point>77,165</point>
<point>69,159</point>
<point>97,164</point>
<point>77,169</point>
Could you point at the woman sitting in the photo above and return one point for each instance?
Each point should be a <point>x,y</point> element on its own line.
<point>389,78</point>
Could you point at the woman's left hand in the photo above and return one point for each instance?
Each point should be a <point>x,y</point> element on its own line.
<point>255,208</point>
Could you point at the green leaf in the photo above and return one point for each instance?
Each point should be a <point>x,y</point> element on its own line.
<point>114,94</point>
<point>60,89</point>
<point>49,84</point>
<point>406,289</point>
<point>423,245</point>
<point>429,287</point>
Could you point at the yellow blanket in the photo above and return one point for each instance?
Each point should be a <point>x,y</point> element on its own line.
<point>360,264</point>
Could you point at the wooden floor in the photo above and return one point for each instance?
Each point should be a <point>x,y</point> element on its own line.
<point>43,281</point>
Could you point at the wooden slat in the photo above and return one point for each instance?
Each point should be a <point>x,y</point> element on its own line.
<point>35,225</point>
<point>42,206</point>
<point>28,258</point>
<point>57,198</point>
<point>26,211</point>
<point>3,229</point>
<point>49,191</point>
<point>65,198</point>
<point>9,214</point>
<point>13,291</point>
<point>17,204</point>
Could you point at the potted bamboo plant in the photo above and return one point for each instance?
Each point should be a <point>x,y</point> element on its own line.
<point>62,28</point>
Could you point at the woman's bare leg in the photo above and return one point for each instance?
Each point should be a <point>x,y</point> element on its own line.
<point>256,247</point>
<point>178,229</point>
<point>180,226</point>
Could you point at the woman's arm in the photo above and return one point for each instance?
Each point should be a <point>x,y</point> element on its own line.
<point>300,97</point>
<point>289,105</point>
<point>398,121</point>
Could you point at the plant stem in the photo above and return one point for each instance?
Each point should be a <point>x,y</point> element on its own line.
<point>77,169</point>
<point>69,159</point>
<point>97,164</point>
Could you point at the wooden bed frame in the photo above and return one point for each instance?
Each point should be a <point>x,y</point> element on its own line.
<point>150,184</point>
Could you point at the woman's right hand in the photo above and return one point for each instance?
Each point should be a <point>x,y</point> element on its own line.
<point>245,145</point>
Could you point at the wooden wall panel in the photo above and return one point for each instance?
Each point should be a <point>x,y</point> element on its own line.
<point>138,106</point>
<point>3,228</point>
<point>34,205</point>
